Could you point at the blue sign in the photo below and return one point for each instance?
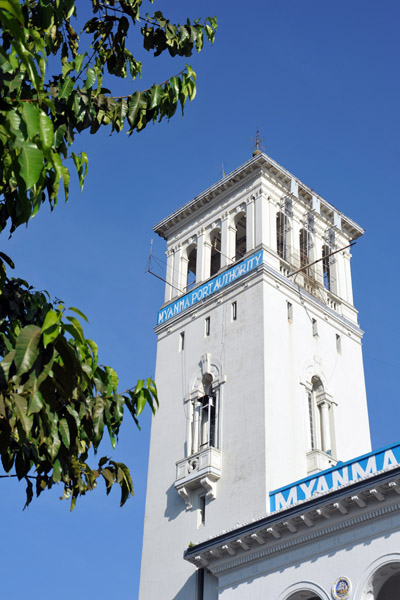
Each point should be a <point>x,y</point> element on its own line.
<point>212,286</point>
<point>340,475</point>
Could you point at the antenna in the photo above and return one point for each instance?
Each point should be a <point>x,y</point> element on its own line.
<point>149,268</point>
<point>150,256</point>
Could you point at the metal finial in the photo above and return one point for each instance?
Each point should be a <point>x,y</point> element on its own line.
<point>257,144</point>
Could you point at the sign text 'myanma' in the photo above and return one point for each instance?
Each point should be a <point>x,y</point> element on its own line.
<point>343,474</point>
<point>212,286</point>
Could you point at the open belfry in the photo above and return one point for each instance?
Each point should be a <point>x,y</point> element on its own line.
<point>262,484</point>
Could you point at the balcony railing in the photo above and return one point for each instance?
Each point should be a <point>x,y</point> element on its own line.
<point>200,470</point>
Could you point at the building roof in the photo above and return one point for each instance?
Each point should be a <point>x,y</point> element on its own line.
<point>269,166</point>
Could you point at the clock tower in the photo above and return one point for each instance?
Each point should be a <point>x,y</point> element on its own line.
<point>259,364</point>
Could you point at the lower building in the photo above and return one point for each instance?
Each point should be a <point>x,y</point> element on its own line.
<point>342,542</point>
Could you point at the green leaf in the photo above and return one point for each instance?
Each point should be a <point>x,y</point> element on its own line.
<point>46,130</point>
<point>65,178</point>
<point>30,114</point>
<point>35,403</point>
<point>64,432</point>
<point>21,405</point>
<point>56,471</point>
<point>7,259</point>
<point>26,348</point>
<point>50,327</point>
<point>90,78</point>
<point>5,366</point>
<point>109,478</point>
<point>78,328</point>
<point>13,7</point>
<point>78,312</point>
<point>78,62</point>
<point>140,402</point>
<point>29,492</point>
<point>156,93</point>
<point>31,163</point>
<point>66,88</point>
<point>98,419</point>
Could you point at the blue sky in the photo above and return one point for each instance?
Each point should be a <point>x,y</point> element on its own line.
<point>321,82</point>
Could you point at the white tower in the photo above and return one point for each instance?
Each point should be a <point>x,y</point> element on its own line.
<point>259,363</point>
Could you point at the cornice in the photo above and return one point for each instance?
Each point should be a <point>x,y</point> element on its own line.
<point>346,507</point>
<point>279,278</point>
<point>306,538</point>
<point>263,164</point>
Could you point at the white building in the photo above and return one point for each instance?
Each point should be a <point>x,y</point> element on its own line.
<point>261,384</point>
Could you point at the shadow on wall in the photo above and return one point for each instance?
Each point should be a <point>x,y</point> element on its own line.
<point>175,504</point>
<point>188,591</point>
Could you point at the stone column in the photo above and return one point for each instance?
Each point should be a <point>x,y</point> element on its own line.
<point>228,232</point>
<point>189,421</point>
<point>261,221</point>
<point>250,225</point>
<point>196,426</point>
<point>203,258</point>
<point>170,292</point>
<point>326,445</point>
<point>347,276</point>
<point>179,277</point>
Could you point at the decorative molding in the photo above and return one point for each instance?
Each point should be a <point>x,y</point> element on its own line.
<point>305,538</point>
<point>185,495</point>
<point>211,487</point>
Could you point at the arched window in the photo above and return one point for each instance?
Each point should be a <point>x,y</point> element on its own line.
<point>390,589</point>
<point>304,595</point>
<point>191,266</point>
<point>282,235</point>
<point>320,417</point>
<point>204,417</point>
<point>215,239</point>
<point>240,238</point>
<point>384,583</point>
<point>305,246</point>
<point>326,267</point>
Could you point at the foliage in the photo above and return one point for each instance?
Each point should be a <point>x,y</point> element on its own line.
<point>56,400</point>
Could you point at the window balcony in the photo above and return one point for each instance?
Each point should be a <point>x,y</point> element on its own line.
<point>200,470</point>
<point>317,460</point>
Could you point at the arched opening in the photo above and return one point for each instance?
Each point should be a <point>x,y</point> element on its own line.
<point>240,238</point>
<point>326,267</point>
<point>304,595</point>
<point>305,246</point>
<point>384,584</point>
<point>191,266</point>
<point>207,415</point>
<point>204,417</point>
<point>282,234</point>
<point>215,239</point>
<point>391,588</point>
<point>319,409</point>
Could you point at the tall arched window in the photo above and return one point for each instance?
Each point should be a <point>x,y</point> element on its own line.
<point>205,417</point>
<point>282,235</point>
<point>305,246</point>
<point>191,266</point>
<point>215,239</point>
<point>326,267</point>
<point>320,417</point>
<point>240,238</point>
